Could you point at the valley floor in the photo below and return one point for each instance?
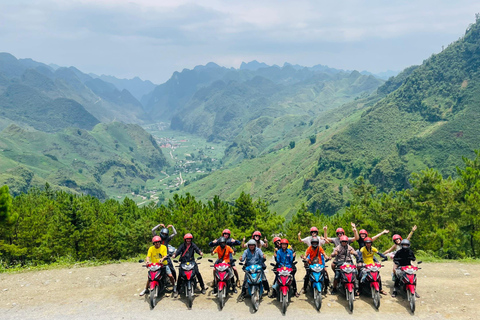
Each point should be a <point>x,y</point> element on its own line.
<point>448,291</point>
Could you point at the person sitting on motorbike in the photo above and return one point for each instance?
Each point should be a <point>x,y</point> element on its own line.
<point>253,256</point>
<point>336,241</point>
<point>403,257</point>
<point>368,252</point>
<point>278,246</point>
<point>343,252</point>
<point>224,254</point>
<point>284,258</point>
<point>397,239</point>
<point>186,251</point>
<point>362,235</point>
<point>164,234</point>
<point>314,253</point>
<point>229,242</point>
<point>256,236</point>
<point>313,233</point>
<point>157,254</point>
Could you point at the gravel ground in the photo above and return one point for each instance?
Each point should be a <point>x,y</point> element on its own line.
<point>448,291</point>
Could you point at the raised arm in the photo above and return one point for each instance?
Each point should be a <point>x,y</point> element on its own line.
<point>355,232</point>
<point>411,232</point>
<point>156,227</point>
<point>378,235</point>
<point>243,245</point>
<point>265,243</point>
<point>174,231</point>
<point>299,236</point>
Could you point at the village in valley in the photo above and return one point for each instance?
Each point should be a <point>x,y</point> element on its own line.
<point>190,158</point>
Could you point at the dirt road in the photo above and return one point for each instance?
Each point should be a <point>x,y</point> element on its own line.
<point>448,291</point>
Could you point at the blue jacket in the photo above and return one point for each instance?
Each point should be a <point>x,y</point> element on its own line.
<point>252,258</point>
<point>285,258</point>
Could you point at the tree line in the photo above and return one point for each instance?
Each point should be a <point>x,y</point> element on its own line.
<point>44,225</point>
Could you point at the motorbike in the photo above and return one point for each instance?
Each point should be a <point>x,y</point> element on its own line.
<point>224,281</point>
<point>372,282</point>
<point>254,274</point>
<point>346,285</point>
<point>158,282</point>
<point>284,283</point>
<point>316,283</point>
<point>189,279</point>
<point>408,283</point>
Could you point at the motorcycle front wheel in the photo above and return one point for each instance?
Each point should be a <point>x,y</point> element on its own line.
<point>221,297</point>
<point>411,299</point>
<point>153,297</point>
<point>317,296</point>
<point>376,298</point>
<point>189,294</point>
<point>350,298</point>
<point>256,299</point>
<point>284,303</point>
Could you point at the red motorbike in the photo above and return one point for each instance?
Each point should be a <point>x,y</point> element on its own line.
<point>346,285</point>
<point>224,280</point>
<point>284,286</point>
<point>158,282</point>
<point>408,283</point>
<point>372,282</point>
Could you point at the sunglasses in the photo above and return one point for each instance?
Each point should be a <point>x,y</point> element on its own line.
<point>158,242</point>
<point>343,241</point>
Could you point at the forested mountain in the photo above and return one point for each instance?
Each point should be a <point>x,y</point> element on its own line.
<point>136,86</point>
<point>111,159</point>
<point>23,82</point>
<point>428,118</point>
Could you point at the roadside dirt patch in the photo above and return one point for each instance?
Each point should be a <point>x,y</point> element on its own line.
<point>448,291</point>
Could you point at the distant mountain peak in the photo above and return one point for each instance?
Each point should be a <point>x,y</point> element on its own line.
<point>253,65</point>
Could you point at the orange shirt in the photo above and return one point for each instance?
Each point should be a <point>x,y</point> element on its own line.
<point>224,254</point>
<point>315,253</point>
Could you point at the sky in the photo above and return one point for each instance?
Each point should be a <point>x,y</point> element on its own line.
<point>153,38</point>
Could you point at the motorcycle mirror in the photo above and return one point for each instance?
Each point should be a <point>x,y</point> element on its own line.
<point>272,264</point>
<point>199,258</point>
<point>210,260</point>
<point>240,263</point>
<point>141,260</point>
<point>295,262</point>
<point>176,261</point>
<point>419,262</point>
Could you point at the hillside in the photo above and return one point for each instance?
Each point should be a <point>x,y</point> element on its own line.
<point>40,82</point>
<point>428,118</point>
<point>111,159</point>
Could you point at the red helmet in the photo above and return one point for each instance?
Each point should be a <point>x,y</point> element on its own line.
<point>313,229</point>
<point>396,236</point>
<point>156,239</point>
<point>340,230</point>
<point>368,240</point>
<point>187,236</point>
<point>284,241</point>
<point>276,239</point>
<point>343,238</point>
<point>363,231</point>
<point>256,233</point>
<point>226,231</point>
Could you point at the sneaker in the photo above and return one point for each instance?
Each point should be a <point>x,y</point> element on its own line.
<point>333,292</point>
<point>241,297</point>
<point>394,293</point>
<point>417,295</point>
<point>215,290</point>
<point>238,283</point>
<point>204,291</point>
<point>383,292</point>
<point>234,290</point>
<point>141,294</point>
<point>175,294</point>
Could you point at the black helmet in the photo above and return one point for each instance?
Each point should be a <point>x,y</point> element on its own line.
<point>405,242</point>
<point>222,241</point>
<point>164,233</point>
<point>315,242</point>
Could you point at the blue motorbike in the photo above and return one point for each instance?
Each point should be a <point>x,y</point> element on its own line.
<point>254,274</point>
<point>316,283</point>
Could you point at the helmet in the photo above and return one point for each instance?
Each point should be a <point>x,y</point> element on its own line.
<point>188,236</point>
<point>363,231</point>
<point>284,241</point>
<point>226,231</point>
<point>222,240</point>
<point>340,230</point>
<point>275,239</point>
<point>313,229</point>
<point>164,233</point>
<point>256,233</point>
<point>368,240</point>
<point>405,242</point>
<point>251,241</point>
<point>315,241</point>
<point>343,238</point>
<point>156,239</point>
<point>395,237</point>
